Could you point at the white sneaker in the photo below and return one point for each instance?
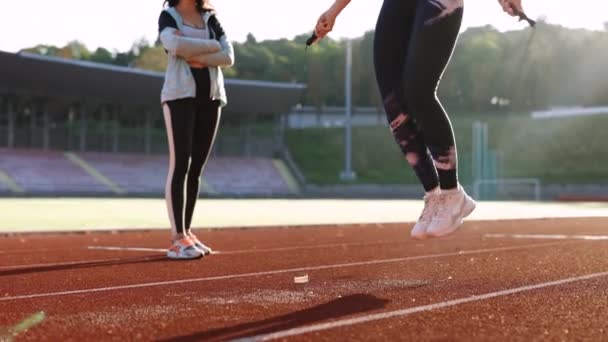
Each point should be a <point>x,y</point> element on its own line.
<point>452,207</point>
<point>184,249</point>
<point>198,244</point>
<point>430,207</point>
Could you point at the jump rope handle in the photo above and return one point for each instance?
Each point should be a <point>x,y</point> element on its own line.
<point>523,16</point>
<point>311,40</point>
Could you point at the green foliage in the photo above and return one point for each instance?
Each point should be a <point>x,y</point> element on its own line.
<point>44,50</point>
<point>102,55</point>
<point>557,151</point>
<point>550,66</point>
<point>152,58</point>
<point>376,157</point>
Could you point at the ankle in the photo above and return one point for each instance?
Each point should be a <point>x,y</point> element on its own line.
<point>451,190</point>
<point>177,237</point>
<point>435,191</point>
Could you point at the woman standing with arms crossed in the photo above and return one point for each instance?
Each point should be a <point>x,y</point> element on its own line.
<point>413,43</point>
<point>192,96</point>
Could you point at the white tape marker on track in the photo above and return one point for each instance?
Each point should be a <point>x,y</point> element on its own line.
<point>265,273</point>
<point>417,309</point>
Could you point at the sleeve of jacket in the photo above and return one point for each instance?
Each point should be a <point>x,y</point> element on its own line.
<point>225,56</point>
<point>181,46</point>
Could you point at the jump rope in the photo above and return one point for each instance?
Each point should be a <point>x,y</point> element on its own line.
<point>522,17</point>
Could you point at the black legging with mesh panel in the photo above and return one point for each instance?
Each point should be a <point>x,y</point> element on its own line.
<point>413,44</point>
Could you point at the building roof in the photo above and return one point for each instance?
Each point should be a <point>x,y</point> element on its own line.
<point>72,80</point>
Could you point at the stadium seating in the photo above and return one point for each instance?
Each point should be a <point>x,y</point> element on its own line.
<point>244,175</point>
<point>53,172</point>
<point>47,172</point>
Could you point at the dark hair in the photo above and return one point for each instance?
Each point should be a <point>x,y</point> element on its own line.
<point>201,5</point>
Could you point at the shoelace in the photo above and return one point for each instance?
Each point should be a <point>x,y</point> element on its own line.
<point>187,242</point>
<point>194,239</point>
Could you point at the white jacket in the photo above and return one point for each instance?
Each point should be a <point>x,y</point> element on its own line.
<point>216,52</point>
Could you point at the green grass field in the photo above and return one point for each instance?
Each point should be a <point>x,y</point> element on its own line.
<point>557,151</point>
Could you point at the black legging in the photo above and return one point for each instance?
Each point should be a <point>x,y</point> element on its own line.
<point>191,128</point>
<point>412,47</point>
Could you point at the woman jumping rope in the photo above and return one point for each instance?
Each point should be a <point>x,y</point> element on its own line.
<point>192,96</point>
<point>413,44</point>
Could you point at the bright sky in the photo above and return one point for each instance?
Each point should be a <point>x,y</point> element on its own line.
<point>116,24</point>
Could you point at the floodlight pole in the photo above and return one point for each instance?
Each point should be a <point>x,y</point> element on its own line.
<point>348,173</point>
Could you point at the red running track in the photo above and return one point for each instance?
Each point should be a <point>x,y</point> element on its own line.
<point>366,282</point>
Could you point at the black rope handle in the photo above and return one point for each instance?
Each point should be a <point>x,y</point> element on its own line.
<point>311,40</point>
<point>523,16</point>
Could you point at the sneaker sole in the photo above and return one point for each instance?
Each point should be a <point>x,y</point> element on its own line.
<point>205,251</point>
<point>422,236</point>
<point>178,257</point>
<point>468,209</point>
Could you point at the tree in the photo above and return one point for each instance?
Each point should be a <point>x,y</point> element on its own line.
<point>314,91</point>
<point>153,58</point>
<point>74,50</point>
<point>554,66</point>
<point>102,55</point>
<point>140,46</point>
<point>44,50</point>
<point>124,58</point>
<point>250,39</point>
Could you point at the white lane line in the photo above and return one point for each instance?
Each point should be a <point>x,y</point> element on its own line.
<point>549,236</point>
<point>127,249</point>
<point>162,250</point>
<point>417,309</point>
<point>52,250</point>
<point>295,248</point>
<point>265,273</point>
<point>246,251</point>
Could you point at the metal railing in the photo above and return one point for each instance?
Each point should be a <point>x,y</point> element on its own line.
<point>535,182</point>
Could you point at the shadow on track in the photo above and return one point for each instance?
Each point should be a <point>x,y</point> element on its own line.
<point>340,307</point>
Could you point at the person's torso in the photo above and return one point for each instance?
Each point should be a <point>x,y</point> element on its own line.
<point>179,87</point>
<point>201,75</point>
<point>195,32</point>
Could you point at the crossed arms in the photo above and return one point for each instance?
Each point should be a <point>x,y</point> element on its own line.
<point>201,52</point>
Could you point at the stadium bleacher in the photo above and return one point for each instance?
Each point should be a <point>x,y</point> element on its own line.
<point>46,172</point>
<point>37,171</point>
